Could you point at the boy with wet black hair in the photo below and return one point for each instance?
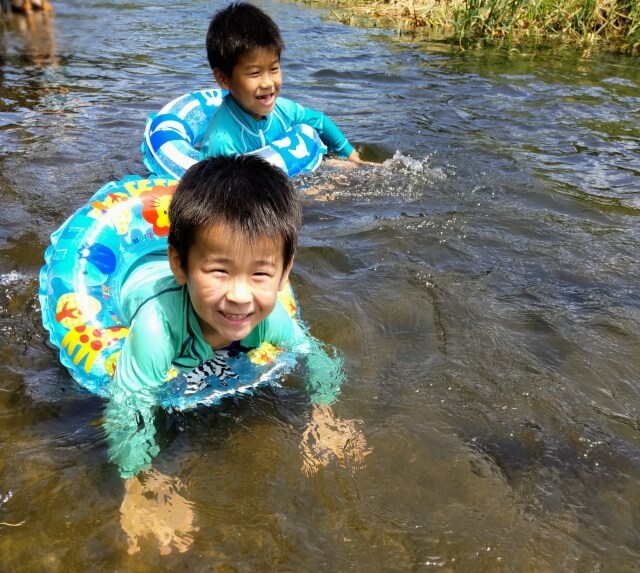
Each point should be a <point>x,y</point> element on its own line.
<point>234,225</point>
<point>243,48</point>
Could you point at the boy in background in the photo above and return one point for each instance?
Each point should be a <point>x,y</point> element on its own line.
<point>243,48</point>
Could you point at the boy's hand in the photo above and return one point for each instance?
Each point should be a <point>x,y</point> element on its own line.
<point>152,506</point>
<point>327,437</point>
<point>355,158</point>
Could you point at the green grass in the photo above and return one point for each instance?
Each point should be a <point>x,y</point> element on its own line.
<point>607,24</point>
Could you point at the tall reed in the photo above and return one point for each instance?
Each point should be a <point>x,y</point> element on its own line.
<point>614,24</point>
<point>583,21</point>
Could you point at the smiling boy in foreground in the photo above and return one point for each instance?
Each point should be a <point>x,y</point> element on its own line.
<point>234,225</point>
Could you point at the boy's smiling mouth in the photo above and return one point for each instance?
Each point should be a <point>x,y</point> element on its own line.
<point>235,317</point>
<point>266,98</point>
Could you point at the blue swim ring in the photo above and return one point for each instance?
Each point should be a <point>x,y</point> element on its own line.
<point>173,136</point>
<point>85,268</point>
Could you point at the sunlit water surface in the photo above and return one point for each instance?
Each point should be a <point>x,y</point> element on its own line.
<point>482,286</point>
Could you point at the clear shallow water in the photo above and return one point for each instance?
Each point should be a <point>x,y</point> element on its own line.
<point>482,287</point>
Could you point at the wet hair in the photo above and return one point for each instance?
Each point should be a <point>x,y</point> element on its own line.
<point>245,193</point>
<point>237,29</point>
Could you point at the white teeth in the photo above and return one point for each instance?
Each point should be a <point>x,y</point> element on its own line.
<point>234,316</point>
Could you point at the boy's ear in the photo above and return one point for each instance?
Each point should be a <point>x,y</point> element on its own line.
<point>221,78</point>
<point>176,266</point>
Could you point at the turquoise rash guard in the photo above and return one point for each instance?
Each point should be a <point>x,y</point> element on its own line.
<point>232,131</point>
<point>165,339</point>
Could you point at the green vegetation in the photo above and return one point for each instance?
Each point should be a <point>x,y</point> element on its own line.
<point>609,24</point>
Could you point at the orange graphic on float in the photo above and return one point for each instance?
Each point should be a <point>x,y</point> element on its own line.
<point>155,208</point>
<point>115,206</point>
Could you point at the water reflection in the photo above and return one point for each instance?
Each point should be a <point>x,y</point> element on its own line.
<point>28,41</point>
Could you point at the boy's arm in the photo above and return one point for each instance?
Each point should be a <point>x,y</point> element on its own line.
<point>325,372</point>
<point>142,367</point>
<point>329,132</point>
<point>324,365</point>
<point>327,436</point>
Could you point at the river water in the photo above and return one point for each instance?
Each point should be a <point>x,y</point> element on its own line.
<point>482,286</point>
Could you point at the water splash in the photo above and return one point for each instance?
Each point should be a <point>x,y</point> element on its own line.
<point>12,278</point>
<point>410,164</point>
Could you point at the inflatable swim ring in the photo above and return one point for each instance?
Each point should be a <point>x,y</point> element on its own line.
<point>85,268</point>
<point>173,135</point>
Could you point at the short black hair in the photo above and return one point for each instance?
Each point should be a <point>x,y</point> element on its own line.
<point>244,192</point>
<point>237,29</point>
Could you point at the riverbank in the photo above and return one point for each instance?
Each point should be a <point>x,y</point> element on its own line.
<point>612,25</point>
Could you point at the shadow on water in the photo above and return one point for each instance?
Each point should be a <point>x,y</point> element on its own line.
<point>480,284</point>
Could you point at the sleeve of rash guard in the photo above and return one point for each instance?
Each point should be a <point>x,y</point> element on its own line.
<point>328,131</point>
<point>325,372</point>
<point>129,415</point>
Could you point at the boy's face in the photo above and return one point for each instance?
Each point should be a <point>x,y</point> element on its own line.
<point>232,283</point>
<point>255,81</point>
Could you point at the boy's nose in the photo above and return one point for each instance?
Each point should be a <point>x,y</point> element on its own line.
<point>267,81</point>
<point>239,292</point>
